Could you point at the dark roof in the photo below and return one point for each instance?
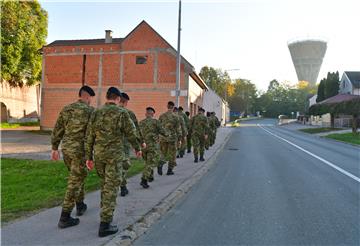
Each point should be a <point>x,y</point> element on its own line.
<point>339,98</point>
<point>354,78</point>
<point>83,42</point>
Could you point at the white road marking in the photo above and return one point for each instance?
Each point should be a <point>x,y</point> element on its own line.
<point>315,156</point>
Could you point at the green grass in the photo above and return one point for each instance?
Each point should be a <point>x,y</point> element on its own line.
<point>31,185</point>
<point>319,130</point>
<point>346,137</point>
<point>6,125</point>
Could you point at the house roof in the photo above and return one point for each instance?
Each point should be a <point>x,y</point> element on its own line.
<point>354,78</point>
<point>76,42</point>
<point>339,98</point>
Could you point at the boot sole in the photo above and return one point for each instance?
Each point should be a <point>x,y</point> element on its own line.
<point>103,234</point>
<point>66,226</point>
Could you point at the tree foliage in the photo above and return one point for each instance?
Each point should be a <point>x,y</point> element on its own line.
<point>328,86</point>
<point>218,80</point>
<point>23,33</point>
<point>244,96</point>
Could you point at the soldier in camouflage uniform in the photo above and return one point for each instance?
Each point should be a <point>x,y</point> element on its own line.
<point>199,128</point>
<point>171,124</point>
<point>180,153</point>
<point>70,128</point>
<point>126,162</point>
<point>104,139</point>
<point>217,125</point>
<point>183,140</point>
<point>212,129</point>
<point>188,138</point>
<point>150,130</point>
<point>209,133</point>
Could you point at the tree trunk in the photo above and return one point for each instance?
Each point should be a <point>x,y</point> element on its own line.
<point>332,120</point>
<point>354,123</point>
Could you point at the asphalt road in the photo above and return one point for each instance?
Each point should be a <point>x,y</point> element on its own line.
<point>271,186</point>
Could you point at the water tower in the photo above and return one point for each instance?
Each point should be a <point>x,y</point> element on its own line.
<point>307,56</point>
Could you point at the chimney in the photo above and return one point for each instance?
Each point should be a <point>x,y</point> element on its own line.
<point>108,37</point>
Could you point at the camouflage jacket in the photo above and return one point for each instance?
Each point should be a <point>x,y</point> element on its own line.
<point>184,130</point>
<point>135,121</point>
<point>199,125</point>
<point>212,123</point>
<point>170,122</point>
<point>71,127</point>
<point>107,128</point>
<point>186,120</point>
<point>151,129</point>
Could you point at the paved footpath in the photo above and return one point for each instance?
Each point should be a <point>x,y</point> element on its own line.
<point>41,229</point>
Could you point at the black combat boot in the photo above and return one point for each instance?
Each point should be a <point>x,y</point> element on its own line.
<point>151,179</point>
<point>196,160</point>
<point>80,208</point>
<point>159,169</point>
<point>170,171</point>
<point>202,158</point>
<point>181,154</point>
<point>124,191</point>
<point>67,221</point>
<point>189,151</point>
<point>178,156</point>
<point>106,229</point>
<point>144,183</point>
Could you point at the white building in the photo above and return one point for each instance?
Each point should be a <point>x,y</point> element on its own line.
<point>350,83</point>
<point>213,102</point>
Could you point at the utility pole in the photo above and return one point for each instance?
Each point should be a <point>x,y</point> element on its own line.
<point>178,61</point>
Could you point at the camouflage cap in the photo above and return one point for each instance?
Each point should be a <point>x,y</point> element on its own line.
<point>113,90</point>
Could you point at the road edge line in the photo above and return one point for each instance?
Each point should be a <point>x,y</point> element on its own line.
<point>314,155</point>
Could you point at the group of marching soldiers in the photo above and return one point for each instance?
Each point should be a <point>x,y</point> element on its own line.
<point>104,138</point>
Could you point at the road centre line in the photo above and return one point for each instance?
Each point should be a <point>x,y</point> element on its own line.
<point>315,156</point>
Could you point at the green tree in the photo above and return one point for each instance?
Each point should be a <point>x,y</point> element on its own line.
<point>244,97</point>
<point>217,80</point>
<point>23,33</point>
<point>328,86</point>
<point>321,91</point>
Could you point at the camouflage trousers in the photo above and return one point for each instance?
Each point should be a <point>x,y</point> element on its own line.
<point>212,137</point>
<point>168,151</point>
<point>110,173</point>
<point>188,142</point>
<point>151,157</point>
<point>198,144</point>
<point>126,163</point>
<point>75,187</point>
<point>182,146</point>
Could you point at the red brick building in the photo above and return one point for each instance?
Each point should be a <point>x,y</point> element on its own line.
<point>142,64</point>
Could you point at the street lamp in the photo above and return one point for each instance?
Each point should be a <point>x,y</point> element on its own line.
<point>178,60</point>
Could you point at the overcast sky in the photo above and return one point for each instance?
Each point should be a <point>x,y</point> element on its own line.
<point>249,35</point>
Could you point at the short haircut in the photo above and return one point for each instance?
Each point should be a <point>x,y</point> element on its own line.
<point>175,109</point>
<point>181,108</point>
<point>201,110</point>
<point>208,114</point>
<point>187,113</point>
<point>170,105</point>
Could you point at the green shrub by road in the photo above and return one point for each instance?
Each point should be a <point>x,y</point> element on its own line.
<point>319,130</point>
<point>30,185</point>
<point>346,137</point>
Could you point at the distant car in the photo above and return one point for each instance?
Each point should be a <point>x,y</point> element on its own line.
<point>282,117</point>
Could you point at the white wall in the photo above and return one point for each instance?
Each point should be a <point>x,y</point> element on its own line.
<point>214,103</point>
<point>20,102</point>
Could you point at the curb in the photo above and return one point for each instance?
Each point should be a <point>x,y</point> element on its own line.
<point>134,231</point>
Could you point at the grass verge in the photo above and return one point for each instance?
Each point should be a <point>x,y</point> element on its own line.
<point>6,125</point>
<point>31,185</point>
<point>319,130</point>
<point>346,137</point>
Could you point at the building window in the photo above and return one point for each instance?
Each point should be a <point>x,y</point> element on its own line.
<point>141,59</point>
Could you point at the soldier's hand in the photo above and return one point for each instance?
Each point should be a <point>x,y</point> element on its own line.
<point>55,155</point>
<point>138,154</point>
<point>206,136</point>
<point>89,164</point>
<point>143,145</point>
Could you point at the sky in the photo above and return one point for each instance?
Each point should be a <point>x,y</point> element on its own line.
<point>247,35</point>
